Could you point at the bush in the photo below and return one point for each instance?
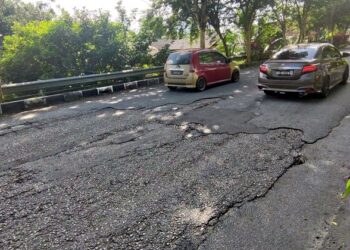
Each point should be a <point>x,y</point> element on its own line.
<point>340,39</point>
<point>61,48</point>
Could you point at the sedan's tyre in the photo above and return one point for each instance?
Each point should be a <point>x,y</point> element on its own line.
<point>172,88</point>
<point>201,84</point>
<point>269,93</point>
<point>325,88</point>
<point>235,76</point>
<point>345,76</point>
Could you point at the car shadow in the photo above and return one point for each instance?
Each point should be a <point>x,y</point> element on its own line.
<point>213,86</point>
<point>307,98</point>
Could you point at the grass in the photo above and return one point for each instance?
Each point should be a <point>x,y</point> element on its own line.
<point>346,193</point>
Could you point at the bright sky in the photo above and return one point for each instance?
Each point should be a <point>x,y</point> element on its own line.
<point>109,5</point>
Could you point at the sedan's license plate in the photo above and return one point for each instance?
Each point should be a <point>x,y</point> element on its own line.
<point>177,72</point>
<point>285,73</point>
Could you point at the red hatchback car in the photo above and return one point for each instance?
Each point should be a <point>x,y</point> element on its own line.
<point>198,68</point>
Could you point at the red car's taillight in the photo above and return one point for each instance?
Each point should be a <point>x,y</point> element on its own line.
<point>165,74</point>
<point>264,69</point>
<point>309,68</point>
<point>192,69</point>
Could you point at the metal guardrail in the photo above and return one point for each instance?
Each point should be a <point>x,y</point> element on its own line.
<point>43,85</point>
<point>54,86</point>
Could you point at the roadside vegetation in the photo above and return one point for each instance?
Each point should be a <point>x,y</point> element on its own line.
<point>38,42</point>
<point>346,193</point>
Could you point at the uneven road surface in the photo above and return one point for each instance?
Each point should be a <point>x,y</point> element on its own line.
<point>228,168</point>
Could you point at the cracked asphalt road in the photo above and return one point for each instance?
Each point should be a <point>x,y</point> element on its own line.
<point>153,169</point>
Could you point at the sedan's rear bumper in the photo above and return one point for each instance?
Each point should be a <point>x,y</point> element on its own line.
<point>308,83</point>
<point>302,90</point>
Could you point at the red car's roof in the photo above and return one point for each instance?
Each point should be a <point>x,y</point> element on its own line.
<point>193,50</point>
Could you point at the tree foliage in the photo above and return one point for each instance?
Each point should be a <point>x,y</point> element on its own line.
<point>281,13</point>
<point>36,43</point>
<point>151,29</point>
<point>346,193</point>
<point>246,12</point>
<point>14,11</point>
<point>64,47</point>
<point>309,20</point>
<point>192,14</point>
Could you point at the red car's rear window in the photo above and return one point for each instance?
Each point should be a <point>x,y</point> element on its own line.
<point>179,58</point>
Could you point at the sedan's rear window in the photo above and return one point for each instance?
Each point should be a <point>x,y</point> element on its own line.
<point>179,58</point>
<point>296,52</point>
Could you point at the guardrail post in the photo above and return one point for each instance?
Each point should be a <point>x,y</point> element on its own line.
<point>2,97</point>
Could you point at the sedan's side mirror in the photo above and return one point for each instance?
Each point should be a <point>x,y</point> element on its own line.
<point>345,54</point>
<point>228,60</point>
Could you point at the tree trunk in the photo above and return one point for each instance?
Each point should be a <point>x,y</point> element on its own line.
<point>284,34</point>
<point>224,42</point>
<point>248,44</point>
<point>202,20</point>
<point>202,38</point>
<point>283,24</point>
<point>302,20</point>
<point>227,52</point>
<point>302,32</point>
<point>331,24</point>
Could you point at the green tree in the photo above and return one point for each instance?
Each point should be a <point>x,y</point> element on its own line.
<point>343,18</point>
<point>245,13</point>
<point>124,18</point>
<point>302,10</point>
<point>103,47</point>
<point>38,50</point>
<point>282,14</point>
<point>151,30</point>
<point>325,19</point>
<point>267,38</point>
<point>187,13</point>
<point>161,57</point>
<point>217,13</point>
<point>12,11</point>
<point>65,47</point>
<point>233,42</point>
<point>338,13</point>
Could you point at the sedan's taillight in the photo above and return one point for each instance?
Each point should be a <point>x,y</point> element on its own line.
<point>309,68</point>
<point>264,69</point>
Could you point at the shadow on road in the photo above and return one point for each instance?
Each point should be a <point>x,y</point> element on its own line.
<point>313,98</point>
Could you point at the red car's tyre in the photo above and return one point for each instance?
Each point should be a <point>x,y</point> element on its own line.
<point>235,76</point>
<point>201,84</point>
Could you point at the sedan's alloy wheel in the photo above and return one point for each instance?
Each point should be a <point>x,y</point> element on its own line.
<point>345,76</point>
